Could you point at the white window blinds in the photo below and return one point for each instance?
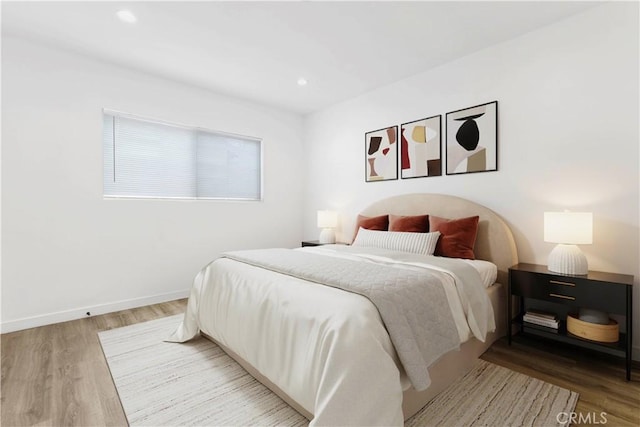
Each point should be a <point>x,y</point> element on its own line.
<point>150,159</point>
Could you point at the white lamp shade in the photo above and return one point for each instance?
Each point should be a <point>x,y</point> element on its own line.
<point>573,228</point>
<point>327,219</point>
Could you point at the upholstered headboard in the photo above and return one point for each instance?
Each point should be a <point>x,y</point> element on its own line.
<point>494,242</point>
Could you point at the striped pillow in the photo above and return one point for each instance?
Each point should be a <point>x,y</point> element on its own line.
<point>415,243</point>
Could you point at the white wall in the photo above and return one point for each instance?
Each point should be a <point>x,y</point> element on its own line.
<point>67,250</point>
<point>568,136</point>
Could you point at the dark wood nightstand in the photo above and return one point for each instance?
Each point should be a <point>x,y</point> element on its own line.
<point>317,243</point>
<point>608,292</point>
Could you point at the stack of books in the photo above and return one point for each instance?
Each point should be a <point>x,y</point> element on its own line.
<point>541,320</point>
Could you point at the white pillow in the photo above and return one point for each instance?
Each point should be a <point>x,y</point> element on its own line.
<point>415,243</point>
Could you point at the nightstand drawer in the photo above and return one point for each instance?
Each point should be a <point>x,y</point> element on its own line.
<point>541,287</point>
<point>572,291</point>
<point>610,298</point>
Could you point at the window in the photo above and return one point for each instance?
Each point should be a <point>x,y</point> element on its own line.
<point>144,158</point>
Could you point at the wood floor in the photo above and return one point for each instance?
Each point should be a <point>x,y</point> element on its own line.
<point>56,375</point>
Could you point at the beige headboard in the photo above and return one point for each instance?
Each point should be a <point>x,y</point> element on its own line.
<point>494,242</point>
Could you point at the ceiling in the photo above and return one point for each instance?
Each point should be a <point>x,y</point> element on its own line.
<point>258,50</point>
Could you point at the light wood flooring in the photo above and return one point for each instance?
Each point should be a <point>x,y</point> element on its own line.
<point>56,375</point>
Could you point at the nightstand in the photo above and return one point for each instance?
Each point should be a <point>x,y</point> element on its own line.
<point>608,292</point>
<point>317,243</point>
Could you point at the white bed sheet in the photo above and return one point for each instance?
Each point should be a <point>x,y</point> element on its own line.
<point>488,271</point>
<point>335,359</point>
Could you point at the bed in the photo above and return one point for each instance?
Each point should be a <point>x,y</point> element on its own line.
<point>328,352</point>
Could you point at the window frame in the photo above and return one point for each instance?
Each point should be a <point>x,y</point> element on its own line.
<point>260,141</point>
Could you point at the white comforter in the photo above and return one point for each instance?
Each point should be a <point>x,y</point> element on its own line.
<point>326,348</point>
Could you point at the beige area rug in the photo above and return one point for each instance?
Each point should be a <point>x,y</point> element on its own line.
<point>196,383</point>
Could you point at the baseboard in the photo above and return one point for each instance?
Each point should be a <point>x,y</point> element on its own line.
<point>78,313</point>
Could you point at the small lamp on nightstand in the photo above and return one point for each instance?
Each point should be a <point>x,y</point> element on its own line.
<point>568,229</point>
<point>327,220</point>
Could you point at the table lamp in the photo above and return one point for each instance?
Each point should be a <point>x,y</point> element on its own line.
<point>327,220</point>
<point>568,229</point>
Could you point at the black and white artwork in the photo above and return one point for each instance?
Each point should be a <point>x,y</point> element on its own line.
<point>472,139</point>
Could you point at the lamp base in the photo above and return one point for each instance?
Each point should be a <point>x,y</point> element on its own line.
<point>567,259</point>
<point>327,236</point>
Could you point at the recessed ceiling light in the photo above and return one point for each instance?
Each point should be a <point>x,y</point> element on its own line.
<point>127,16</point>
<point>302,81</point>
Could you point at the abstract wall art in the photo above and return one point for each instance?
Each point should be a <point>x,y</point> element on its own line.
<point>472,139</point>
<point>420,148</point>
<point>381,154</point>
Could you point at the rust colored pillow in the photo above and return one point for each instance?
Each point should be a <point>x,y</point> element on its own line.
<point>380,223</point>
<point>458,236</point>
<point>409,224</point>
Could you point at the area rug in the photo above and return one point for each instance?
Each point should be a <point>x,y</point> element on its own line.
<point>196,383</point>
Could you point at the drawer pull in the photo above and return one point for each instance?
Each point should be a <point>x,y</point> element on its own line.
<point>555,282</point>
<point>562,296</point>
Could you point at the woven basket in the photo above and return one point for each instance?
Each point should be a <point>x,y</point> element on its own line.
<point>593,331</point>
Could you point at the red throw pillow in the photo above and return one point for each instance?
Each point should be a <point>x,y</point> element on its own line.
<point>380,223</point>
<point>409,224</point>
<point>458,236</point>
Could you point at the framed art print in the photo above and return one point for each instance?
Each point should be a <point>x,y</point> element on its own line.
<point>420,148</point>
<point>472,139</point>
<point>381,154</point>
